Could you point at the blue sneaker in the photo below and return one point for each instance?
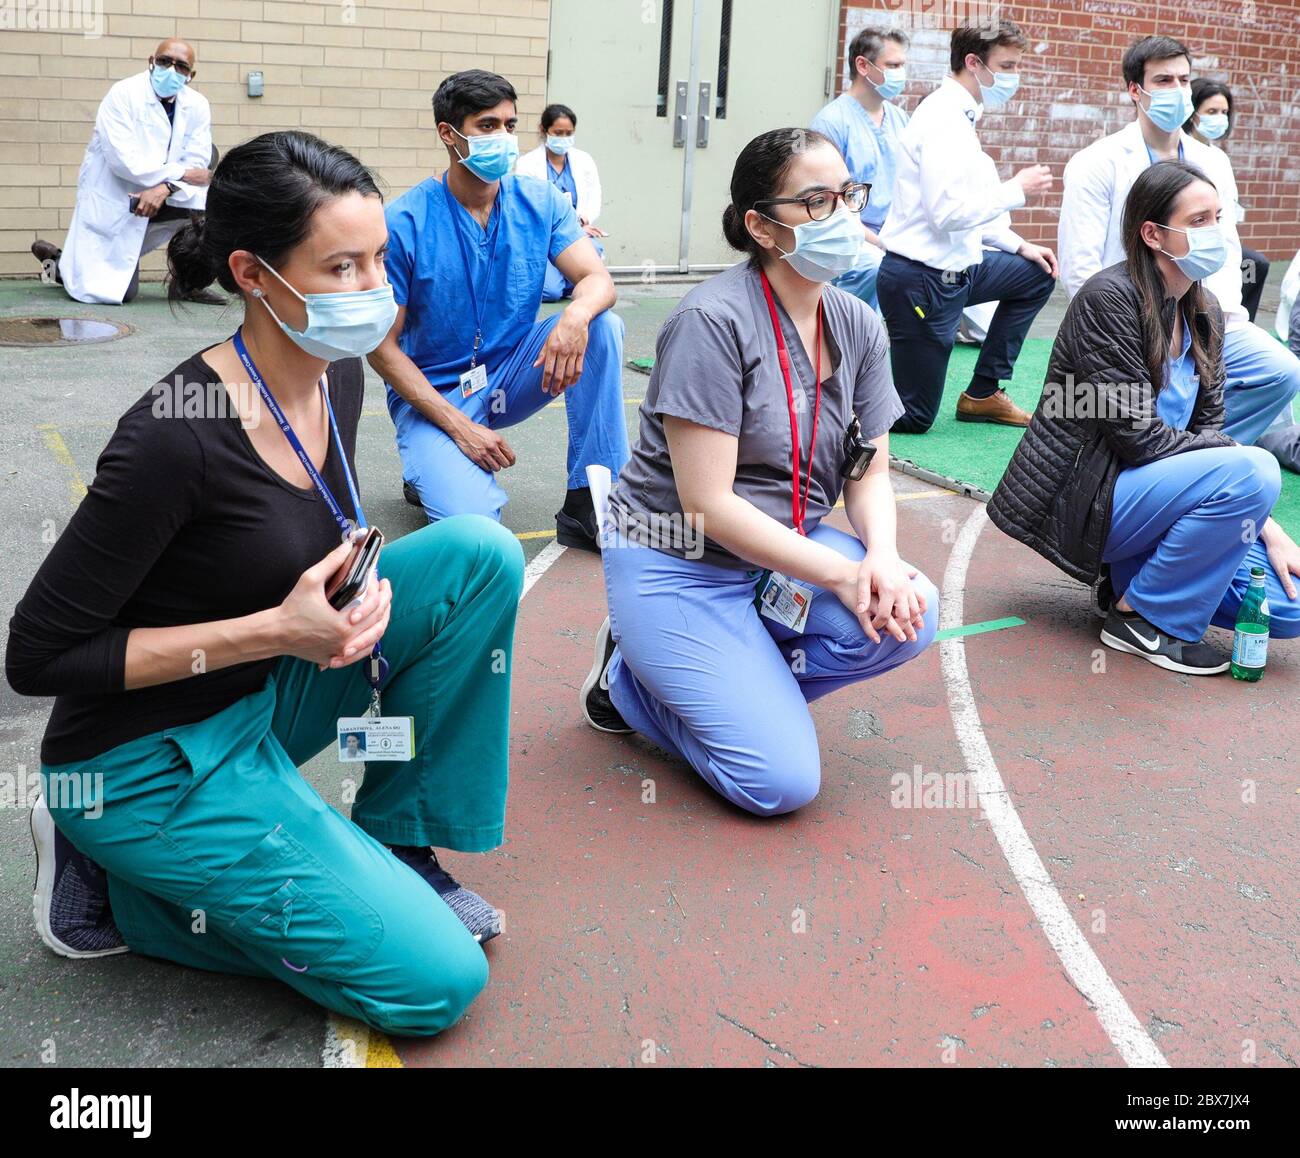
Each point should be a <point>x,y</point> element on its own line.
<point>70,903</point>
<point>480,918</point>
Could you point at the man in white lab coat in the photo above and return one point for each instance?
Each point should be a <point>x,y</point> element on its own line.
<point>143,173</point>
<point>1262,375</point>
<point>949,241</point>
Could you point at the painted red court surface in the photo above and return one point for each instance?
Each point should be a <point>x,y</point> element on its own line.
<point>664,933</point>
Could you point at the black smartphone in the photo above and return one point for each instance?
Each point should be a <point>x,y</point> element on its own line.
<point>349,581</point>
<point>134,204</point>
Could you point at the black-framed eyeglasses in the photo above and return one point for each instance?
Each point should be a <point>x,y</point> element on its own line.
<point>168,62</point>
<point>821,205</point>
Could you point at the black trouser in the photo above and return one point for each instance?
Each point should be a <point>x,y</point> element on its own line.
<point>922,308</point>
<point>166,213</point>
<point>1254,273</point>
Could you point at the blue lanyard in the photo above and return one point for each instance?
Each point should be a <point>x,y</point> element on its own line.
<point>377,668</point>
<point>476,305</point>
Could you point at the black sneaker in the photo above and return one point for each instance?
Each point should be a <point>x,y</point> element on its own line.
<point>1129,632</point>
<point>410,494</point>
<point>480,918</point>
<point>597,708</point>
<point>70,901</point>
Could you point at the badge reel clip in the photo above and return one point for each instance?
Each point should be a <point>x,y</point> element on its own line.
<point>858,452</point>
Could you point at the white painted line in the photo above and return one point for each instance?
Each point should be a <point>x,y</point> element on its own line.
<point>347,1043</point>
<point>540,565</point>
<point>1081,962</point>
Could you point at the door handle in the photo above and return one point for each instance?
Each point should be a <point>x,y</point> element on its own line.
<point>705,120</point>
<point>679,116</point>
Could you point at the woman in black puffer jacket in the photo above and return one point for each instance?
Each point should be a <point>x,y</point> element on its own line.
<point>1125,468</point>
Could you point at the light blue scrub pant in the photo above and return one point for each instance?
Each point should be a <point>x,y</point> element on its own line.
<point>1183,538</point>
<point>860,281</point>
<point>700,673</point>
<point>449,484</point>
<point>556,286</point>
<point>1263,376</point>
<point>220,856</point>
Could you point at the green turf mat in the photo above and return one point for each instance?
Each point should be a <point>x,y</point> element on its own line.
<point>978,453</point>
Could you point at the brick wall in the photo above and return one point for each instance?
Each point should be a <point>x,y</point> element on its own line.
<point>359,73</point>
<point>1072,91</point>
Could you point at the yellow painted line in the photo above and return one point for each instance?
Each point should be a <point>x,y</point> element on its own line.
<point>525,536</point>
<point>59,448</point>
<point>352,1045</point>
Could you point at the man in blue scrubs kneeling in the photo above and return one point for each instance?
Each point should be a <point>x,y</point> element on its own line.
<point>467,255</point>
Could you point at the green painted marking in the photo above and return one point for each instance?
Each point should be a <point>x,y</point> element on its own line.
<point>980,628</point>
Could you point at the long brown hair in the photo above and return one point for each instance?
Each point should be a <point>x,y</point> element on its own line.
<point>1152,199</point>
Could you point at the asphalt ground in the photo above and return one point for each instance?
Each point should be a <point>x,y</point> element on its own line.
<point>1117,886</point>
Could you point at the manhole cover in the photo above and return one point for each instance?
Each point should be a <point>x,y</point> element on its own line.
<point>59,331</point>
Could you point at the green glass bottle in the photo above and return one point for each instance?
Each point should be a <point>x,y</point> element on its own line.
<point>1250,644</point>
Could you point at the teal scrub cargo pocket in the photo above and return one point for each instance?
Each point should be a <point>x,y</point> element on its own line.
<point>283,905</point>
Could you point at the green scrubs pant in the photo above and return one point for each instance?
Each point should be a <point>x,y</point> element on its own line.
<point>220,856</point>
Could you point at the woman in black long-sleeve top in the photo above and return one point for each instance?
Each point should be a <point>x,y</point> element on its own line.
<point>182,623</point>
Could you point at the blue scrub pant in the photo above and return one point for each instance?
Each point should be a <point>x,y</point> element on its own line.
<point>448,483</point>
<point>700,673</point>
<point>922,309</point>
<point>220,856</point>
<point>1263,376</point>
<point>860,281</point>
<point>556,286</point>
<point>1183,538</point>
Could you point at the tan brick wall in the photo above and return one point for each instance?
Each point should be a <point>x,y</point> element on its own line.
<point>361,74</point>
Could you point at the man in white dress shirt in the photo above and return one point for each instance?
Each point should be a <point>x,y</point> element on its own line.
<point>1262,375</point>
<point>949,203</point>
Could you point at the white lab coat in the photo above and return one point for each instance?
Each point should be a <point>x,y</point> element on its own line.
<point>1290,291</point>
<point>1097,184</point>
<point>133,147</point>
<point>585,177</point>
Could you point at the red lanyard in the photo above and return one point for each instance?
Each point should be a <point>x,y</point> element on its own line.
<point>783,356</point>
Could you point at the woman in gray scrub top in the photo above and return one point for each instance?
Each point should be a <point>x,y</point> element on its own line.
<point>732,605</point>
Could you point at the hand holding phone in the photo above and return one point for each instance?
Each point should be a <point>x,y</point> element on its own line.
<point>348,584</point>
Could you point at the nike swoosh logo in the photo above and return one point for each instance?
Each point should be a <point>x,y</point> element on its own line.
<point>1150,644</point>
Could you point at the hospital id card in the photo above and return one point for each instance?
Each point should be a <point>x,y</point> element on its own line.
<point>363,738</point>
<point>785,600</point>
<point>472,381</point>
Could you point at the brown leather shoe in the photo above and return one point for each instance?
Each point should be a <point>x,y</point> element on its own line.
<point>997,408</point>
<point>45,251</point>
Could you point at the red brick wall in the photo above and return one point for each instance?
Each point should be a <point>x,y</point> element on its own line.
<point>1072,91</point>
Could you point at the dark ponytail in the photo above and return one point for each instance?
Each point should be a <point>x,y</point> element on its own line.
<point>760,169</point>
<point>262,197</point>
<point>1152,199</point>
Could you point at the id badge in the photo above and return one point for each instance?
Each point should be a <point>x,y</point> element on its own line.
<point>364,738</point>
<point>472,381</point>
<point>786,601</point>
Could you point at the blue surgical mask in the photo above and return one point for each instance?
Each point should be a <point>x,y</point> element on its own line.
<point>1207,250</point>
<point>490,158</point>
<point>1212,125</point>
<point>824,250</point>
<point>167,82</point>
<point>347,324</point>
<point>559,145</point>
<point>1005,85</point>
<point>895,79</point>
<point>1170,107</point>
